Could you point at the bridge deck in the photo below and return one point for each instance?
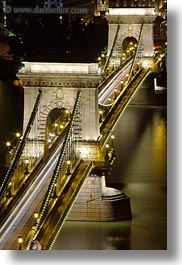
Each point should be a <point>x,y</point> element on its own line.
<point>121,103</point>
<point>53,224</point>
<point>22,216</point>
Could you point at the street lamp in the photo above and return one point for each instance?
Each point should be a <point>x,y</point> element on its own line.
<point>67,115</point>
<point>107,71</point>
<point>107,149</point>
<point>61,19</point>
<point>36,215</point>
<point>20,241</point>
<point>68,172</point>
<point>101,115</point>
<point>18,135</point>
<point>26,169</point>
<point>137,66</point>
<point>115,93</point>
<point>56,127</point>
<point>112,136</point>
<point>8,144</point>
<point>9,189</point>
<point>107,162</point>
<point>112,144</point>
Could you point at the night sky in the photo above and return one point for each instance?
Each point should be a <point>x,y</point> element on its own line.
<point>66,3</point>
<point>44,37</point>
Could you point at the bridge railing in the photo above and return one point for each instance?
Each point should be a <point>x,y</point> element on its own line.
<point>109,77</point>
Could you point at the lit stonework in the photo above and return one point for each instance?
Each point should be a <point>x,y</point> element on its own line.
<point>130,22</point>
<point>59,84</point>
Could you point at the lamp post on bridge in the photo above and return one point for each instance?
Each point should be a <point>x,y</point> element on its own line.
<point>107,162</point>
<point>112,149</point>
<point>67,115</point>
<point>101,115</point>
<point>26,168</point>
<point>9,193</point>
<point>68,171</point>
<point>56,128</point>
<point>36,216</point>
<point>20,241</point>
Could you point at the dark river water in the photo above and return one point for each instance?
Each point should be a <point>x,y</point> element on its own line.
<point>139,170</point>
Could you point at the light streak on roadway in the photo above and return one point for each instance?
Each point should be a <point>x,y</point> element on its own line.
<point>25,208</point>
<point>108,90</point>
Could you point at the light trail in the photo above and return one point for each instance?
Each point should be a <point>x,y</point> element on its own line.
<point>113,83</point>
<point>21,214</point>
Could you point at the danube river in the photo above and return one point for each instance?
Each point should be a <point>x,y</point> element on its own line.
<point>139,170</point>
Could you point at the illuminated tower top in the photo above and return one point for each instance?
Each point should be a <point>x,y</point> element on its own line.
<point>101,6</point>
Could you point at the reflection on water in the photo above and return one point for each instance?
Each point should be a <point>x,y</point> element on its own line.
<point>140,170</point>
<point>94,235</point>
<point>141,145</point>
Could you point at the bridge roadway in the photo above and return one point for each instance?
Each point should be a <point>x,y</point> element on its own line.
<point>120,104</point>
<point>20,220</point>
<point>50,229</point>
<point>114,82</point>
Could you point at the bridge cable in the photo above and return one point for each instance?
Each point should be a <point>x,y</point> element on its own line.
<point>20,146</point>
<point>60,161</point>
<point>136,53</point>
<point>131,68</point>
<point>111,51</point>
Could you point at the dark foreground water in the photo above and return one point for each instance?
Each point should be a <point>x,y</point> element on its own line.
<point>139,170</point>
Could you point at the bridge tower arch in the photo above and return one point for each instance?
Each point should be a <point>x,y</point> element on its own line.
<point>56,120</point>
<point>130,22</point>
<point>128,47</point>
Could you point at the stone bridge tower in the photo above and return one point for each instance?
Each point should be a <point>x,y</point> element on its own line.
<point>126,20</point>
<point>59,83</point>
<point>136,23</point>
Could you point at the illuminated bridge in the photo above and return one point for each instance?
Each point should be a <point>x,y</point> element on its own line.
<point>67,146</point>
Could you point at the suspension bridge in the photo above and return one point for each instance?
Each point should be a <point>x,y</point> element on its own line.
<point>70,112</point>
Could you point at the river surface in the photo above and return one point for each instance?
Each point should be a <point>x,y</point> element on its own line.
<point>139,170</point>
